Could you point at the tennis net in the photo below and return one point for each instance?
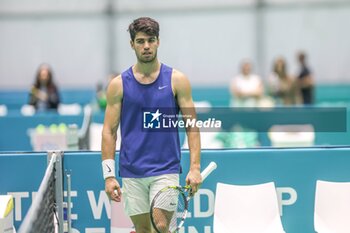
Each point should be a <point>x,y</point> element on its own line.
<point>42,216</point>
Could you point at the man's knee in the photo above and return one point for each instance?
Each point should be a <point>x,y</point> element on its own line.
<point>142,223</point>
<point>143,229</point>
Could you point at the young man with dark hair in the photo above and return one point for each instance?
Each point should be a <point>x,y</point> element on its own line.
<point>148,160</point>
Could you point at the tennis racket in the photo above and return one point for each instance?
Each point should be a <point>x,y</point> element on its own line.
<point>169,207</point>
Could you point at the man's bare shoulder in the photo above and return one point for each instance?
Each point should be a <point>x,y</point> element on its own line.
<point>116,81</point>
<point>178,75</point>
<point>115,87</point>
<point>180,81</point>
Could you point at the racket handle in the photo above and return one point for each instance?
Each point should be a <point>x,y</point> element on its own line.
<point>211,167</point>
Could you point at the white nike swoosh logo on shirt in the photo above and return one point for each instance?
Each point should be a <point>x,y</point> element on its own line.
<point>160,88</point>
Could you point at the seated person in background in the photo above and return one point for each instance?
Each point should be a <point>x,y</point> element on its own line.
<point>246,88</point>
<point>44,93</point>
<point>306,82</point>
<point>283,87</point>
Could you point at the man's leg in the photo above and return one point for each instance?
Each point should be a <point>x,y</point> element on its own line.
<point>162,219</point>
<point>142,223</point>
<point>164,214</point>
<point>136,203</point>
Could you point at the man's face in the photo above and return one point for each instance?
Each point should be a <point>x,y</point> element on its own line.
<point>145,47</point>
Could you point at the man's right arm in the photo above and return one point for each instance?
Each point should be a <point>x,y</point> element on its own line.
<point>109,137</point>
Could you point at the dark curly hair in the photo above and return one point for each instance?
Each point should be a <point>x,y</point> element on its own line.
<point>144,24</point>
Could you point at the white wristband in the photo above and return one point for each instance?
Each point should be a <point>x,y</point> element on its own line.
<point>108,167</point>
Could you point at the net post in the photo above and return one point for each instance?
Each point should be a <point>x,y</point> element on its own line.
<point>58,186</point>
<point>69,202</point>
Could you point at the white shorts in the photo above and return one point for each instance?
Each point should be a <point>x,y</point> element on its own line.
<point>138,193</point>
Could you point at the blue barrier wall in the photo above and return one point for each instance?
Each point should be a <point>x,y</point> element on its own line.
<point>14,127</point>
<point>14,134</point>
<point>294,172</point>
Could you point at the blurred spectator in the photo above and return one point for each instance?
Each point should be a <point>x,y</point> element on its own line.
<point>306,82</point>
<point>44,93</point>
<point>246,88</point>
<point>282,86</point>
<point>101,89</point>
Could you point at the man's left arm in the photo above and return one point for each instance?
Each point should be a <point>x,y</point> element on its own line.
<point>182,90</point>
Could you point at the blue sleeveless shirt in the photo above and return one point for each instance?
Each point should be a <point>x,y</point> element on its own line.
<point>146,153</point>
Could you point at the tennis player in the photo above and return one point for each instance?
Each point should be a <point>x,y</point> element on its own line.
<point>149,160</point>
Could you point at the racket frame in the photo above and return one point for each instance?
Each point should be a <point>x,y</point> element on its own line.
<point>185,189</point>
<point>182,191</point>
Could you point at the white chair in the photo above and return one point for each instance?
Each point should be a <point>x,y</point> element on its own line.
<point>292,135</point>
<point>69,109</point>
<point>28,110</point>
<point>247,209</point>
<point>202,106</point>
<point>332,207</point>
<point>3,110</point>
<point>95,137</point>
<point>208,141</point>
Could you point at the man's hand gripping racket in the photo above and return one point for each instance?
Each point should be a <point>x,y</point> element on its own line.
<point>169,207</point>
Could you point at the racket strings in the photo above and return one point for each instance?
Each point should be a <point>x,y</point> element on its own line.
<point>168,210</point>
